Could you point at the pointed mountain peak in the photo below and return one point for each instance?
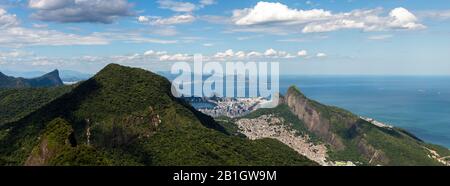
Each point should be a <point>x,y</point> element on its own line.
<point>116,71</point>
<point>112,66</point>
<point>53,73</point>
<point>294,90</point>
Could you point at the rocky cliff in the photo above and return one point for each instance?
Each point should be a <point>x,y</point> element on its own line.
<point>351,138</point>
<point>303,108</point>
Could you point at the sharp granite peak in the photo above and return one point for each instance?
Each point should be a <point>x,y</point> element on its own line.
<point>51,79</point>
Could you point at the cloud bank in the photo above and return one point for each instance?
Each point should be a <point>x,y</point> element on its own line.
<point>319,20</point>
<point>69,11</point>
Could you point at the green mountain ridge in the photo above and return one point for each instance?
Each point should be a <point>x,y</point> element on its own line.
<point>127,116</point>
<point>350,138</point>
<point>18,103</point>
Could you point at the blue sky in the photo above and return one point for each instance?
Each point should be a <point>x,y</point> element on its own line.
<point>394,37</point>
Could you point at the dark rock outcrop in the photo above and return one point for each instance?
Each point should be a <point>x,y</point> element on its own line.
<point>57,137</point>
<point>376,157</point>
<point>312,118</point>
<point>51,79</point>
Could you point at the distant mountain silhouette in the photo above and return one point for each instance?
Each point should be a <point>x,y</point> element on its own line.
<point>65,75</point>
<point>51,79</point>
<point>74,76</point>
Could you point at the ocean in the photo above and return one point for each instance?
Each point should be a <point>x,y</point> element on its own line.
<point>419,104</point>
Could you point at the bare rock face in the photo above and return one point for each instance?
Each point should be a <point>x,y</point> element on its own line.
<point>320,120</point>
<point>376,157</point>
<point>320,126</point>
<point>40,154</point>
<point>57,137</point>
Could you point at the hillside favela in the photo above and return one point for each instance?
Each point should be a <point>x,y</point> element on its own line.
<point>224,83</point>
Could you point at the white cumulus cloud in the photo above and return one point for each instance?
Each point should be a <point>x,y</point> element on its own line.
<point>176,6</point>
<point>181,6</point>
<point>268,15</point>
<point>176,57</point>
<point>254,54</point>
<point>7,20</point>
<point>177,19</point>
<point>321,55</point>
<point>266,12</point>
<point>403,19</point>
<point>207,2</point>
<point>222,55</point>
<point>302,53</point>
<point>270,52</point>
<point>240,54</point>
<point>367,20</point>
